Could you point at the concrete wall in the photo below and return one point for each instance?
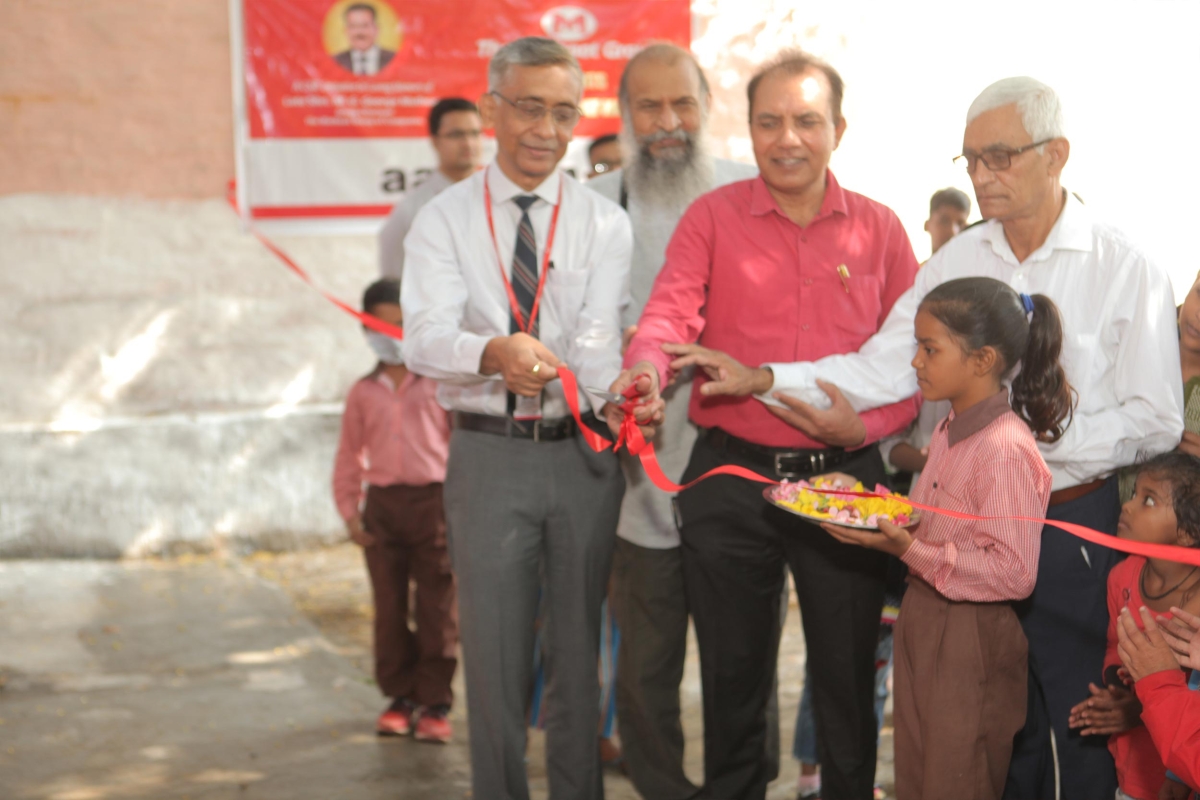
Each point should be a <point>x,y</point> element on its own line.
<point>164,383</point>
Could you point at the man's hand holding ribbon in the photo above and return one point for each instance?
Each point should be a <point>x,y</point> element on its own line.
<point>526,364</point>
<point>646,408</point>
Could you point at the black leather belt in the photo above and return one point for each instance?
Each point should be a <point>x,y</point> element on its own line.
<point>539,430</point>
<point>785,463</point>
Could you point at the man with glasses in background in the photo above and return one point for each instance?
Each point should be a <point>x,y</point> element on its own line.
<point>499,290</point>
<point>457,137</point>
<point>1121,355</point>
<point>604,155</point>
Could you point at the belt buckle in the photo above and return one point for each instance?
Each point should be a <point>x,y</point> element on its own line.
<point>780,471</point>
<point>816,463</point>
<point>516,428</point>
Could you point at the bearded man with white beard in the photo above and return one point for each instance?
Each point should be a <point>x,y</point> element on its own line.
<point>664,101</point>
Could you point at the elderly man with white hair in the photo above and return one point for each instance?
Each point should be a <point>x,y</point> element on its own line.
<point>664,100</point>
<point>1121,355</point>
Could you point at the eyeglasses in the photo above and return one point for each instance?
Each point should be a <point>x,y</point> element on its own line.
<point>565,116</point>
<point>460,135</point>
<point>996,159</point>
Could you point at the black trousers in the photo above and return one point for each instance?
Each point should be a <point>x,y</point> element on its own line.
<point>1066,622</point>
<point>734,547</point>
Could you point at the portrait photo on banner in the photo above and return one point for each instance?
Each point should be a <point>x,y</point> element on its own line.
<point>362,36</point>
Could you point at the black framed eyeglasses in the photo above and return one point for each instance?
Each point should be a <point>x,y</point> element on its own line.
<point>564,116</point>
<point>996,159</point>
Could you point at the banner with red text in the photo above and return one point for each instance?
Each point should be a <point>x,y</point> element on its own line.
<point>334,94</point>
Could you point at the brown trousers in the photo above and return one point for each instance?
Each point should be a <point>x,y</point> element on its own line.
<point>409,526</point>
<point>960,695</point>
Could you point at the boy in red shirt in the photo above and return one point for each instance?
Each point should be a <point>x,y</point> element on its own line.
<point>395,439</point>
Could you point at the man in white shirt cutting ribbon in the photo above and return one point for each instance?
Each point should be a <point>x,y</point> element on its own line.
<point>510,274</point>
<point>1121,354</point>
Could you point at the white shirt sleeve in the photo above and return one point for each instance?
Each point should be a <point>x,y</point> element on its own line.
<point>433,295</point>
<point>879,373</point>
<point>594,346</point>
<point>1147,417</point>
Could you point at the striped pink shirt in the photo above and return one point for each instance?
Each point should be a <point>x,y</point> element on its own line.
<point>390,435</point>
<point>984,461</point>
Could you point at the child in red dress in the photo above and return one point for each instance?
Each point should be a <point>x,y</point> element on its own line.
<point>961,656</point>
<point>1164,509</point>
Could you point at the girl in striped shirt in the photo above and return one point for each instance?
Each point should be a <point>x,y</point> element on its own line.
<point>960,661</point>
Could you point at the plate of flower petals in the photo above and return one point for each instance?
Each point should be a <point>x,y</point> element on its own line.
<point>853,512</point>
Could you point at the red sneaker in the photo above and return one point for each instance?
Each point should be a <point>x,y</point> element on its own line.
<point>433,725</point>
<point>396,720</point>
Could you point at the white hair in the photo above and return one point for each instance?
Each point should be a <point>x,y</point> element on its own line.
<point>1041,111</point>
<point>530,51</point>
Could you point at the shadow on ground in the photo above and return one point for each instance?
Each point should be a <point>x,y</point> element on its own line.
<point>205,679</point>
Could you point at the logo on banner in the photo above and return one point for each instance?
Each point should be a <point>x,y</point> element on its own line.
<point>569,24</point>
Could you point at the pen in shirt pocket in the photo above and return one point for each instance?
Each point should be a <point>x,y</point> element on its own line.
<point>844,274</point>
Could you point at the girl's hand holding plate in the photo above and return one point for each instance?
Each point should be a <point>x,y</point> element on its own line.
<point>890,538</point>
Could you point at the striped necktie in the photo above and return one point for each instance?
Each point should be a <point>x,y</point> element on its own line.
<point>525,266</point>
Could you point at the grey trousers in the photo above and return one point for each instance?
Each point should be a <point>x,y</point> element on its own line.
<point>522,514</point>
<point>652,614</point>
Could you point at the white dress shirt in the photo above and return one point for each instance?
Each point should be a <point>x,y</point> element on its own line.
<point>365,62</point>
<point>400,220</point>
<point>455,301</point>
<point>1120,343</point>
<point>646,516</point>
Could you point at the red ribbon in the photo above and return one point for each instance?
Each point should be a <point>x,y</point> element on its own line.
<point>366,319</point>
<point>1176,553</point>
<point>631,437</point>
<point>571,391</point>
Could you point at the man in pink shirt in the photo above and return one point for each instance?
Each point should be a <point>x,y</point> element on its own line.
<point>395,440</point>
<point>780,265</point>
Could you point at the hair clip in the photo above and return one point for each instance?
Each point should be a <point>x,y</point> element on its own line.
<point>1027,301</point>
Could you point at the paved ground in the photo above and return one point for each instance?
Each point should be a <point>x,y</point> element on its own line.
<point>205,680</point>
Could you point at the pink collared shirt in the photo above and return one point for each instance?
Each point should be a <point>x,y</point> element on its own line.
<point>984,461</point>
<point>742,278</point>
<point>390,435</point>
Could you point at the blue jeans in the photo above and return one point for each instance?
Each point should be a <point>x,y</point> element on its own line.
<point>804,746</point>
